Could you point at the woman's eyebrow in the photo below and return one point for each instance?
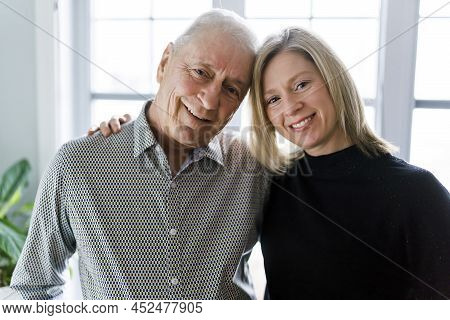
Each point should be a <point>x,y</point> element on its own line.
<point>301,73</point>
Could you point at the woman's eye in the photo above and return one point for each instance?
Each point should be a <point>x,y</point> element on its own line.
<point>272,100</point>
<point>301,85</point>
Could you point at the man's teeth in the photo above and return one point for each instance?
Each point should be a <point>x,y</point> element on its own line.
<point>194,114</point>
<point>302,123</point>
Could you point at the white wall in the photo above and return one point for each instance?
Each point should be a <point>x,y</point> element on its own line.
<point>18,126</point>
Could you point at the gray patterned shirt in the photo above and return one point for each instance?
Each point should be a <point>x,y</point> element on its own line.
<point>141,233</point>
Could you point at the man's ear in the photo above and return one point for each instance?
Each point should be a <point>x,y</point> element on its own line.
<point>167,54</point>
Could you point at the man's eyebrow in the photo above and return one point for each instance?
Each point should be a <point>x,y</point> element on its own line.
<point>239,82</point>
<point>236,81</point>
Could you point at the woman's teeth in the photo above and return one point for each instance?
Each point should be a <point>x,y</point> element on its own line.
<point>302,123</point>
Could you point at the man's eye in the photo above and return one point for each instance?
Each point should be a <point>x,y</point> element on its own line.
<point>200,73</point>
<point>233,91</point>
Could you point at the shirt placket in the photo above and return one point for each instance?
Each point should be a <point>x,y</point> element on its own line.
<point>174,273</point>
<point>171,222</point>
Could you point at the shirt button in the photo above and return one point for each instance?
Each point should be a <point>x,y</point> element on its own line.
<point>174,281</point>
<point>173,232</point>
<point>173,184</point>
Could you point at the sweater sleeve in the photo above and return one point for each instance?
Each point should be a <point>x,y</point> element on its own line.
<point>50,241</point>
<point>429,239</point>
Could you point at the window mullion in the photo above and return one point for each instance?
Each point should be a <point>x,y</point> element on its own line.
<point>395,92</point>
<point>82,65</point>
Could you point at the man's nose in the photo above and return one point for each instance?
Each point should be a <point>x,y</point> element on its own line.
<point>210,95</point>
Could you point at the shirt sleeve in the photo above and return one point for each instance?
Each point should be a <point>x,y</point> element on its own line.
<point>50,242</point>
<point>429,240</point>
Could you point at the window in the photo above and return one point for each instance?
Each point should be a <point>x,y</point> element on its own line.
<point>430,134</point>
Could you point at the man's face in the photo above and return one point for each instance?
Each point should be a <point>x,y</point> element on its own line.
<point>202,84</point>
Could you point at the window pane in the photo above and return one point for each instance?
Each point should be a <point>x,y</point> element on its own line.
<point>430,142</point>
<point>355,41</point>
<point>428,7</point>
<point>433,60</point>
<point>277,9</point>
<point>370,116</point>
<point>103,110</point>
<point>265,27</point>
<point>107,9</point>
<point>180,8</point>
<point>122,48</point>
<point>346,8</point>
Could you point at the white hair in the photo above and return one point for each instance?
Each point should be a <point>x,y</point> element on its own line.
<point>224,21</point>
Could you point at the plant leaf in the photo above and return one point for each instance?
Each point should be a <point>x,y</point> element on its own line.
<point>11,240</point>
<point>21,217</point>
<point>4,261</point>
<point>24,210</point>
<point>6,206</point>
<point>12,180</point>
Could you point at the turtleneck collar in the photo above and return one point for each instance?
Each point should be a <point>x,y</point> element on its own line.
<point>337,164</point>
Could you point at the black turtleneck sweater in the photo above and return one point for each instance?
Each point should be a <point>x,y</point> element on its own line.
<point>348,226</point>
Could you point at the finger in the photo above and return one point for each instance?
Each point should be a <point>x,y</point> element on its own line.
<point>114,124</point>
<point>92,130</point>
<point>105,130</point>
<point>125,118</point>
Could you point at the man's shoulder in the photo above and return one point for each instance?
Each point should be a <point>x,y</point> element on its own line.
<point>88,154</point>
<point>89,147</point>
<point>232,142</point>
<point>236,152</point>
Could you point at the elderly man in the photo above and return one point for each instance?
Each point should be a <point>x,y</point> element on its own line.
<point>166,208</point>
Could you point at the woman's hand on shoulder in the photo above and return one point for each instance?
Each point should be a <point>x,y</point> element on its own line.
<point>111,127</point>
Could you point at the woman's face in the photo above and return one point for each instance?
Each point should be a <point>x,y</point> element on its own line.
<point>299,105</point>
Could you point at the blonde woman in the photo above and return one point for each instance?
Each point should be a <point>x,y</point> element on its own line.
<point>345,219</point>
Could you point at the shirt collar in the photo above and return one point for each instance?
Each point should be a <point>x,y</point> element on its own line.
<point>213,151</point>
<point>144,139</point>
<point>143,135</point>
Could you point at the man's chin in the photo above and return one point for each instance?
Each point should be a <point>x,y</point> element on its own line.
<point>194,138</point>
<point>191,141</point>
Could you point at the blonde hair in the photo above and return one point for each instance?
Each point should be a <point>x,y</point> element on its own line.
<point>347,102</point>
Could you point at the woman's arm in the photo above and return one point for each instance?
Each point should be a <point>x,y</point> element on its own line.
<point>429,239</point>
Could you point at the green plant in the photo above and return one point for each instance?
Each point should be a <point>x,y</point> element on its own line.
<point>14,218</point>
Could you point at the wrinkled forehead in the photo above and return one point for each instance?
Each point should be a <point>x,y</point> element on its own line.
<point>222,52</point>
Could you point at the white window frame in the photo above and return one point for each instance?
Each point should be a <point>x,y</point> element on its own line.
<point>47,111</point>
